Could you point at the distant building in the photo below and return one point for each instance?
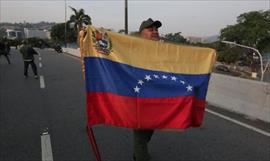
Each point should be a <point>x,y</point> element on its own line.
<point>38,33</point>
<point>14,34</point>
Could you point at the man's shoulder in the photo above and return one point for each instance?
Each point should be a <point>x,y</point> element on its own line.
<point>23,48</point>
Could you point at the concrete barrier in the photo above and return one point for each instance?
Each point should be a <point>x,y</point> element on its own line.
<point>247,97</point>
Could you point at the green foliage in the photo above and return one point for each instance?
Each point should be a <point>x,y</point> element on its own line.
<point>264,45</point>
<point>175,38</point>
<point>251,28</point>
<point>229,54</point>
<point>234,55</point>
<point>79,18</point>
<point>58,33</point>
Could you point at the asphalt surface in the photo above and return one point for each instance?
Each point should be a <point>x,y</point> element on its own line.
<point>26,111</point>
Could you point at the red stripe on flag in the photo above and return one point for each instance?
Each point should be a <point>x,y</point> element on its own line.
<point>144,113</point>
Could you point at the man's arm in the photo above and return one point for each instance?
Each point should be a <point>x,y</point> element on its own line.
<point>33,51</point>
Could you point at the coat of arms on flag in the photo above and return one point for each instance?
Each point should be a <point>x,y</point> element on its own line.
<point>102,41</point>
<point>138,83</point>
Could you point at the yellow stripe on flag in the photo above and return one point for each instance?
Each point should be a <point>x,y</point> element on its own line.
<point>153,55</point>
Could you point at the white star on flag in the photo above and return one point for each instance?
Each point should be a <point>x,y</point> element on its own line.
<point>183,82</point>
<point>156,76</point>
<point>174,78</point>
<point>148,77</point>
<point>137,89</point>
<point>140,82</point>
<point>164,77</point>
<point>189,88</point>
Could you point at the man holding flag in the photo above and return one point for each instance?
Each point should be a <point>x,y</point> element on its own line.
<point>148,30</point>
<point>144,84</point>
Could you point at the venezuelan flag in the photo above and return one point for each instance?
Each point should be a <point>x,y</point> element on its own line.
<point>138,83</point>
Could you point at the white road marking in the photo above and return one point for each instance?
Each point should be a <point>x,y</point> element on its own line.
<point>42,82</point>
<point>39,58</point>
<point>239,123</point>
<point>46,147</point>
<point>40,64</point>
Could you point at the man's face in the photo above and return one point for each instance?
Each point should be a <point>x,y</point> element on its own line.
<point>150,33</point>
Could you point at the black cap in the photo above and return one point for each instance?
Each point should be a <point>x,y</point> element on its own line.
<point>150,23</point>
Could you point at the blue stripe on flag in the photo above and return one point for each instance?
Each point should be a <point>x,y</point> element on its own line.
<point>103,75</point>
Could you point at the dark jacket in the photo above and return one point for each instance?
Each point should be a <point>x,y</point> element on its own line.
<point>27,52</point>
<point>2,49</point>
<point>7,46</point>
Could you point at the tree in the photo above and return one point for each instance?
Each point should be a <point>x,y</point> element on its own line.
<point>251,28</point>
<point>175,37</point>
<point>79,18</point>
<point>264,45</point>
<point>58,33</point>
<point>234,55</point>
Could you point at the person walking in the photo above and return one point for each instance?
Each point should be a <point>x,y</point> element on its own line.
<point>7,46</point>
<point>28,57</point>
<point>141,137</point>
<point>3,51</point>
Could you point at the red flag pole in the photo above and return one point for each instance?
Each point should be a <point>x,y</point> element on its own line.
<point>89,129</point>
<point>93,143</point>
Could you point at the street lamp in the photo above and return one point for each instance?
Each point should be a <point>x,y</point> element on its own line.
<point>247,47</point>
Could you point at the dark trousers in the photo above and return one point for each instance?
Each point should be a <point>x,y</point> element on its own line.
<point>6,58</point>
<point>33,65</point>
<point>141,139</point>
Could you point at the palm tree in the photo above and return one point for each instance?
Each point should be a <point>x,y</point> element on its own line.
<point>79,18</point>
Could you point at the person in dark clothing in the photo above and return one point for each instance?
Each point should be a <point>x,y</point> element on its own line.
<point>141,137</point>
<point>3,51</point>
<point>7,46</point>
<point>28,57</point>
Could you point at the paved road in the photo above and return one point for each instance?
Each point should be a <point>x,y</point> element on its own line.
<point>26,111</point>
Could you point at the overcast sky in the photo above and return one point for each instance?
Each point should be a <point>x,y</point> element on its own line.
<point>192,18</point>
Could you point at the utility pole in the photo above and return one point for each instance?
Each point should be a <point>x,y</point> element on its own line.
<point>65,23</point>
<point>126,16</point>
<point>0,11</point>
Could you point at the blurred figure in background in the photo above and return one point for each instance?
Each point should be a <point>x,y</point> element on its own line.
<point>7,46</point>
<point>28,57</point>
<point>3,51</point>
